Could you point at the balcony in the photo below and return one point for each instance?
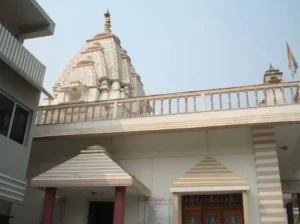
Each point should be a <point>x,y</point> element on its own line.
<point>21,60</point>
<point>273,103</point>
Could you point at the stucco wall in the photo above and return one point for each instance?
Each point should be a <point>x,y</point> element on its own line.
<point>15,156</point>
<point>156,160</point>
<point>14,163</point>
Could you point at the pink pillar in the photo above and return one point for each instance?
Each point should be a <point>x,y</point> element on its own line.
<point>119,207</point>
<point>49,203</point>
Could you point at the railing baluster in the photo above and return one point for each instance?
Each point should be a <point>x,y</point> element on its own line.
<point>292,94</point>
<point>170,105</point>
<point>145,108</point>
<point>45,118</point>
<point>161,106</point>
<point>211,101</point>
<point>229,100</point>
<point>123,110</point>
<point>115,109</point>
<point>203,102</point>
<point>65,117</point>
<point>58,116</point>
<point>153,107</point>
<point>177,105</point>
<point>265,97</point>
<point>238,99</point>
<point>247,99</point>
<point>51,118</point>
<point>72,112</point>
<point>195,104</point>
<point>101,110</point>
<point>256,98</point>
<point>186,104</point>
<point>86,113</point>
<point>107,107</point>
<point>78,115</point>
<point>220,101</point>
<point>283,95</point>
<point>274,96</point>
<point>93,112</point>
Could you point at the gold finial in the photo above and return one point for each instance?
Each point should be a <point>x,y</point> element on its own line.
<point>107,21</point>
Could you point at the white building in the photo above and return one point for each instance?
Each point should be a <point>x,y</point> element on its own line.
<point>21,83</point>
<point>103,152</point>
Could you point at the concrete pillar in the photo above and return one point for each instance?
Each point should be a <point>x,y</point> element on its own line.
<point>290,213</point>
<point>177,209</point>
<point>268,176</point>
<point>49,204</point>
<point>298,202</point>
<point>119,207</point>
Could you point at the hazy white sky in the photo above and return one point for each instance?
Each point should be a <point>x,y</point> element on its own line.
<point>179,45</point>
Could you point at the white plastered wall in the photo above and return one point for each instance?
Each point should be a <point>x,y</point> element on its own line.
<point>157,160</point>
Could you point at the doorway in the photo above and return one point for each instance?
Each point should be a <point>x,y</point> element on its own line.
<point>212,209</point>
<point>101,212</point>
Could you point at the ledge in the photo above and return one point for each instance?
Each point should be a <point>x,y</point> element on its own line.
<point>21,60</point>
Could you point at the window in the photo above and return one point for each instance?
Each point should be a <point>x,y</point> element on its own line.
<point>13,119</point>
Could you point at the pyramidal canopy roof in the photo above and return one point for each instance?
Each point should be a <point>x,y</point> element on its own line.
<point>92,167</point>
<point>209,175</point>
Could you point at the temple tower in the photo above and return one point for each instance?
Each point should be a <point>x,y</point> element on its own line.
<point>101,70</point>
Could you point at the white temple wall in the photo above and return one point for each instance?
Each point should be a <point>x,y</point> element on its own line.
<point>92,94</point>
<point>158,168</point>
<point>157,160</point>
<point>76,210</point>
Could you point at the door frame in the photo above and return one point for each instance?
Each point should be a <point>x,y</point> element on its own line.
<point>177,204</point>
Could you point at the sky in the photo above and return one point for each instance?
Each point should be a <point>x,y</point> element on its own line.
<point>179,45</point>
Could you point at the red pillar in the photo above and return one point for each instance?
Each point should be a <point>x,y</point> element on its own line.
<point>49,203</point>
<point>119,207</point>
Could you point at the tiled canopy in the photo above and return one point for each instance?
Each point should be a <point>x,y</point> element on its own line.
<point>209,175</point>
<point>92,167</point>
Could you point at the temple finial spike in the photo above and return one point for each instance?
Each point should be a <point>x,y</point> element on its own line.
<point>107,22</point>
<point>271,66</point>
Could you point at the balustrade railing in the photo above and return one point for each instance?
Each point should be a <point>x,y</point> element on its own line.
<point>174,103</point>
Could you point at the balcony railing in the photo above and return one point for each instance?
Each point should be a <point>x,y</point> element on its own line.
<point>20,59</point>
<point>244,97</point>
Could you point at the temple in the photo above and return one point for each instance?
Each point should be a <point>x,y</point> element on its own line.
<point>104,152</point>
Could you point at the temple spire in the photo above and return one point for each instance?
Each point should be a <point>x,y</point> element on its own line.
<point>107,22</point>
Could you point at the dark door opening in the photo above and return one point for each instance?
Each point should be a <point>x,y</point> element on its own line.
<point>101,212</point>
<point>4,219</point>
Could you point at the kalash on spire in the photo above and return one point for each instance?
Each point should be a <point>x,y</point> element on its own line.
<point>101,70</point>
<point>107,22</point>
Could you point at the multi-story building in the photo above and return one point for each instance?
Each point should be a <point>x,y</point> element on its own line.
<point>21,83</point>
<point>103,152</point>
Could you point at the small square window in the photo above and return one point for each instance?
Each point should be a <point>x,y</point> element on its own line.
<point>19,124</point>
<point>6,110</point>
